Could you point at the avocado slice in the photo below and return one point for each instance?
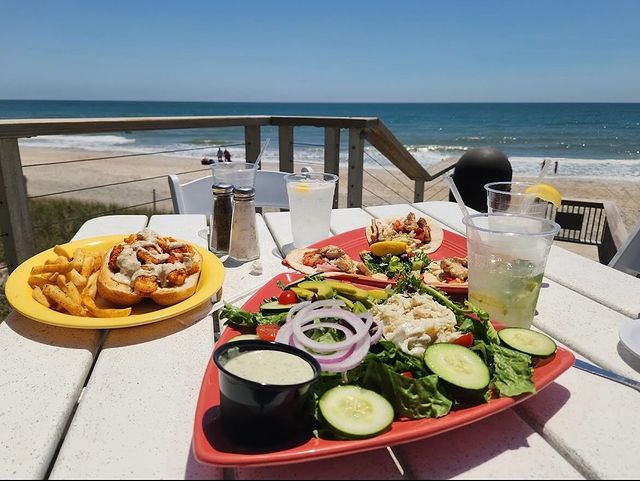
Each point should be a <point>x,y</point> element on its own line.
<point>361,295</point>
<point>349,290</point>
<point>342,287</point>
<point>377,295</point>
<point>305,294</point>
<point>321,288</point>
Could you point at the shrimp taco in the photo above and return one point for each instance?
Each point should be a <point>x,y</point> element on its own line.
<point>329,258</point>
<point>420,234</point>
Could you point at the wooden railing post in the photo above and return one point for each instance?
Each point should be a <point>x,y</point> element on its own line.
<point>356,164</point>
<point>15,221</point>
<point>614,235</point>
<point>252,142</point>
<point>285,147</point>
<point>332,156</point>
<point>418,193</point>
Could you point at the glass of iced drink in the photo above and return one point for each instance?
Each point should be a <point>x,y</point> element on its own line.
<point>310,204</point>
<point>238,174</point>
<point>507,256</point>
<point>512,197</point>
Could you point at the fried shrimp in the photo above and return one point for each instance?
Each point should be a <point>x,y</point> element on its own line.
<point>113,258</point>
<point>145,284</point>
<point>146,257</point>
<point>177,277</point>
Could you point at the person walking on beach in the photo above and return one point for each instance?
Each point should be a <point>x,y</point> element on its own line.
<point>219,154</point>
<point>227,155</point>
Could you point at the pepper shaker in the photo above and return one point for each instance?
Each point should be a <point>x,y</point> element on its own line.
<point>221,221</point>
<point>243,245</point>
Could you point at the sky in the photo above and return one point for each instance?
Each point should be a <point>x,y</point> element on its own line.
<point>321,50</point>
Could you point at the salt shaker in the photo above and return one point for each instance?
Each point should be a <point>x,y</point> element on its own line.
<point>221,220</point>
<point>244,235</point>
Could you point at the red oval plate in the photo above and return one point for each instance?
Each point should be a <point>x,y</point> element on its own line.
<point>211,446</point>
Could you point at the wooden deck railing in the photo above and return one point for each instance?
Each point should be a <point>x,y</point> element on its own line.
<point>15,224</point>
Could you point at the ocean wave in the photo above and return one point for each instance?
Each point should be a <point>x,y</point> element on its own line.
<point>426,155</point>
<point>436,148</point>
<point>210,142</point>
<point>81,142</point>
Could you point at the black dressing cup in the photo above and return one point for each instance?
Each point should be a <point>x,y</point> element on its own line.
<point>266,400</point>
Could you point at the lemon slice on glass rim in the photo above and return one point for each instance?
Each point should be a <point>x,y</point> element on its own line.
<point>546,192</point>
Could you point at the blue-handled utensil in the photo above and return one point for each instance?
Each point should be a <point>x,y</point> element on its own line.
<point>593,369</point>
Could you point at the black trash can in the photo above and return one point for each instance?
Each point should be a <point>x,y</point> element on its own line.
<point>476,168</point>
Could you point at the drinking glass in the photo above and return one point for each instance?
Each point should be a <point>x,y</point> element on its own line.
<point>238,174</point>
<point>507,254</point>
<point>511,197</point>
<point>310,203</point>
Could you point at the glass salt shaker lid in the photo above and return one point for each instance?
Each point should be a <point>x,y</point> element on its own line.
<point>244,193</point>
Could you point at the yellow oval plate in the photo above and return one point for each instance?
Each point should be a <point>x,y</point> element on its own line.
<point>18,291</point>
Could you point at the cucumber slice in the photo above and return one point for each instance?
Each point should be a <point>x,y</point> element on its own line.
<point>354,412</point>
<point>457,365</point>
<point>530,342</point>
<point>274,307</point>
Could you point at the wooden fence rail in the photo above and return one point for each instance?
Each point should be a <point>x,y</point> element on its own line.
<point>15,223</point>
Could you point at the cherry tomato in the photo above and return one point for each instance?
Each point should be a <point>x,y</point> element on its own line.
<point>408,374</point>
<point>287,297</point>
<point>267,332</point>
<point>465,340</point>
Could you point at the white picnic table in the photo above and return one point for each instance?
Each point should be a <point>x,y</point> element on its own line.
<point>120,403</point>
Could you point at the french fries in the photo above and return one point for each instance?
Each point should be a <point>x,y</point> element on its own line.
<point>68,283</point>
<point>39,296</point>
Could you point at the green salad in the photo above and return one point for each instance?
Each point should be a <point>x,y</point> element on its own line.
<point>470,369</point>
<point>396,266</point>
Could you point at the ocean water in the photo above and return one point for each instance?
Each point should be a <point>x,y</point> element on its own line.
<point>587,140</point>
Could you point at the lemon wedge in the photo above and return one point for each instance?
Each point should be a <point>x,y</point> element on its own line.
<point>388,247</point>
<point>546,192</point>
<point>302,188</point>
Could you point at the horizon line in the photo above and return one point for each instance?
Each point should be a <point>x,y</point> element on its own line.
<point>319,103</point>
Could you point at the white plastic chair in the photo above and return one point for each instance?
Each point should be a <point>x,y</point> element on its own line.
<point>627,258</point>
<point>195,197</point>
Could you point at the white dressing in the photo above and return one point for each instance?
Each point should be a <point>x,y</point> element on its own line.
<point>130,268</point>
<point>268,366</point>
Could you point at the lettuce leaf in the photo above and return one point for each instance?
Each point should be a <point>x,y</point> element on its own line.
<point>242,320</point>
<point>411,398</point>
<point>512,371</point>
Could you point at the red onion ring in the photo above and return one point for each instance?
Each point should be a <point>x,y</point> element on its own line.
<point>337,356</point>
<point>321,347</point>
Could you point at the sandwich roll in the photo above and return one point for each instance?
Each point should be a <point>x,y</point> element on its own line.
<point>147,265</point>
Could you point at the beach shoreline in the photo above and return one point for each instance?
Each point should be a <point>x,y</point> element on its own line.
<point>382,184</point>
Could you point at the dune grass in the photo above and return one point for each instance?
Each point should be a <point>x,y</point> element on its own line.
<point>55,221</point>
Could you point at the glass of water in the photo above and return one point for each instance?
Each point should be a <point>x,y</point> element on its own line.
<point>511,197</point>
<point>310,203</point>
<point>238,174</point>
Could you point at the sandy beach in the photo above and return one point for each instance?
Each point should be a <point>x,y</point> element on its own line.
<point>382,185</point>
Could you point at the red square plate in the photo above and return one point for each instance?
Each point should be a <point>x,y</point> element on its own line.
<point>212,447</point>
